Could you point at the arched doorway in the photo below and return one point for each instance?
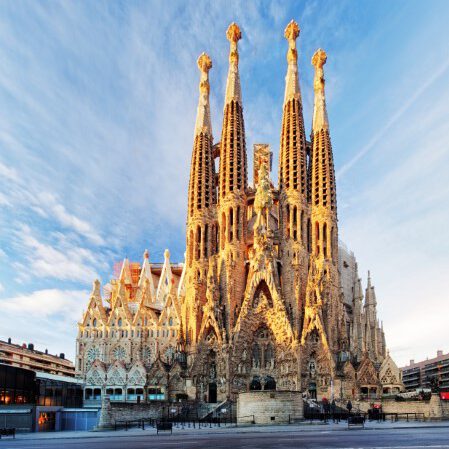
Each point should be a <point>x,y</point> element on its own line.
<point>270,383</point>
<point>255,384</point>
<point>212,393</point>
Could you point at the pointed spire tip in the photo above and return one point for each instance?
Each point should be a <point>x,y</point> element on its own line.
<point>233,33</point>
<point>204,62</point>
<point>291,31</point>
<point>319,58</point>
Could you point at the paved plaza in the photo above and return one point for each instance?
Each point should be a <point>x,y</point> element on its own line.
<point>375,435</point>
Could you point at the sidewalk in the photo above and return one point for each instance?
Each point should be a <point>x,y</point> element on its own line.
<point>298,427</point>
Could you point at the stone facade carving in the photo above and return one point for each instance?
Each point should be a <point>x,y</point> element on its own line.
<point>265,299</point>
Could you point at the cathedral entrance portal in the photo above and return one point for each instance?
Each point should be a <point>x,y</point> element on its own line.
<point>213,392</point>
<point>270,383</point>
<point>255,384</point>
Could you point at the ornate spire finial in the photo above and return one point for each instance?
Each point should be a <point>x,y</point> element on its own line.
<point>320,120</point>
<point>204,64</point>
<point>233,35</point>
<point>291,33</point>
<point>146,254</point>
<point>318,60</point>
<point>203,122</point>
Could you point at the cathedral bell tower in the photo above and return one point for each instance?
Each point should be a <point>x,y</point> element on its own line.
<point>323,194</point>
<point>323,208</point>
<point>201,210</point>
<point>294,210</point>
<point>232,188</point>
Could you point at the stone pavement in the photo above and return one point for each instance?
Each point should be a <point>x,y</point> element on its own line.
<point>301,427</point>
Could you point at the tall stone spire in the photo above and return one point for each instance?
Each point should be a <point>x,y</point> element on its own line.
<point>323,193</point>
<point>233,170</point>
<point>293,210</point>
<point>232,196</point>
<point>320,120</point>
<point>292,161</point>
<point>201,212</point>
<point>203,123</point>
<point>202,194</point>
<point>233,90</point>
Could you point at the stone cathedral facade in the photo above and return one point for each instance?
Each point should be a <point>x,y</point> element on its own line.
<point>265,299</point>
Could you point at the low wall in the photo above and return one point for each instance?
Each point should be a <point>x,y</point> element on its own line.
<point>130,412</point>
<point>269,407</point>
<point>432,409</point>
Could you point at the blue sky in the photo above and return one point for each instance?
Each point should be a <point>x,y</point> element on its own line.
<point>98,103</point>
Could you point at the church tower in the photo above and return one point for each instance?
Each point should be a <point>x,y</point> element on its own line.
<point>323,207</point>
<point>294,211</point>
<point>201,209</point>
<point>232,188</point>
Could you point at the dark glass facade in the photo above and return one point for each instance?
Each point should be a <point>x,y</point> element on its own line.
<point>17,385</point>
<point>51,392</point>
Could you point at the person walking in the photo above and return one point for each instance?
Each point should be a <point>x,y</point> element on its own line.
<point>333,410</point>
<point>349,406</point>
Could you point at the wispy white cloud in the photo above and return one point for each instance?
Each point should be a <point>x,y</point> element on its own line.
<point>68,262</point>
<point>45,317</point>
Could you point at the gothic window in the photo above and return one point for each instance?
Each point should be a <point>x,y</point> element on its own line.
<point>205,243</point>
<point>325,240</point>
<point>119,353</point>
<point>333,248</point>
<point>309,235</point>
<point>238,218</point>
<point>223,230</point>
<point>287,220</point>
<point>317,238</point>
<point>94,322</point>
<point>92,355</point>
<point>295,223</point>
<point>302,232</point>
<point>231,224</point>
<point>119,323</point>
<point>217,234</point>
<point>198,243</point>
<point>170,321</point>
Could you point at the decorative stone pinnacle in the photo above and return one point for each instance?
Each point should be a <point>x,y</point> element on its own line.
<point>291,31</point>
<point>319,58</point>
<point>146,254</point>
<point>204,62</point>
<point>233,33</point>
<point>167,254</point>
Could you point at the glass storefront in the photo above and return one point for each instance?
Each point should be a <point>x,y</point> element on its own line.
<point>17,385</point>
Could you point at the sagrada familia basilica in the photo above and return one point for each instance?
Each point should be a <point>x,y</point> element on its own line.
<point>266,299</point>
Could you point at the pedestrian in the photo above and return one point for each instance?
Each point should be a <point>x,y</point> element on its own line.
<point>349,406</point>
<point>333,410</point>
